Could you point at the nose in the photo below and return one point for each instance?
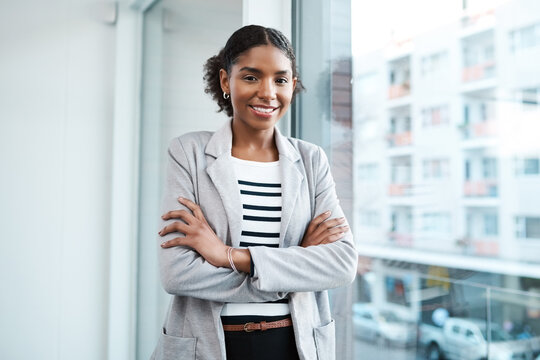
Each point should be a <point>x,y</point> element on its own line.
<point>267,90</point>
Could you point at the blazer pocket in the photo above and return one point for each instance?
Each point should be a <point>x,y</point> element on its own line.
<point>175,348</point>
<point>325,341</point>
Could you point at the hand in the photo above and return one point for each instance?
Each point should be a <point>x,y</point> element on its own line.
<point>323,231</point>
<point>198,234</point>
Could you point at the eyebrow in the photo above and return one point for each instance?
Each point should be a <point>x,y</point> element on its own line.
<point>257,71</point>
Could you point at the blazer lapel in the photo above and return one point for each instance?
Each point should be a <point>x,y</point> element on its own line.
<point>291,179</point>
<point>221,173</point>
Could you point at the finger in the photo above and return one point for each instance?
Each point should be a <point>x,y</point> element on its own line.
<point>318,220</point>
<point>179,241</point>
<point>337,230</point>
<point>332,238</point>
<point>328,224</point>
<point>329,235</point>
<point>178,214</point>
<point>195,208</point>
<point>176,226</point>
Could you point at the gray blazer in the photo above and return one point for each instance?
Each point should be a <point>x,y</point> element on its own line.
<point>199,169</point>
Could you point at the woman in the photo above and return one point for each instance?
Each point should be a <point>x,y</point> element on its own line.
<point>248,261</point>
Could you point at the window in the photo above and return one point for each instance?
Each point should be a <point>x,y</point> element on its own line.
<point>436,222</point>
<point>527,227</point>
<point>525,37</point>
<point>530,99</point>
<point>467,169</point>
<point>489,168</point>
<point>491,226</point>
<point>433,63</point>
<point>401,172</point>
<point>527,166</point>
<point>435,116</point>
<point>451,194</point>
<point>436,169</point>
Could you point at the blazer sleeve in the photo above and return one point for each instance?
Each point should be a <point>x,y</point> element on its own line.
<point>314,268</point>
<point>183,271</point>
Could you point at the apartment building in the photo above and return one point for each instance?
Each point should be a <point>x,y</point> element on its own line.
<point>447,157</point>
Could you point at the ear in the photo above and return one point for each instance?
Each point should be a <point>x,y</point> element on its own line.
<point>294,80</point>
<point>224,81</point>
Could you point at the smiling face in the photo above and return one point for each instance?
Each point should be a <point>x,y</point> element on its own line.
<point>261,87</point>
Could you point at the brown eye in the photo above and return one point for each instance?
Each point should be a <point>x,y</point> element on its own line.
<point>250,78</point>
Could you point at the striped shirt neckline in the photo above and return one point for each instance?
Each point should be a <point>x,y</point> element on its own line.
<point>256,163</point>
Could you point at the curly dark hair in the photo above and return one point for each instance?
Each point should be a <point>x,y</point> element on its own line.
<point>240,41</point>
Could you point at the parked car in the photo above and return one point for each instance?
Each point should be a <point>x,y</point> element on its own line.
<point>383,326</point>
<point>466,339</point>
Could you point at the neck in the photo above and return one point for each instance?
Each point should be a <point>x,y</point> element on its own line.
<point>253,144</point>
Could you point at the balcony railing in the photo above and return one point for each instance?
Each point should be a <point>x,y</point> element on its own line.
<point>399,90</point>
<point>401,238</point>
<point>399,139</point>
<point>481,188</point>
<point>399,189</point>
<point>474,18</point>
<point>479,129</point>
<point>479,71</point>
<point>485,247</point>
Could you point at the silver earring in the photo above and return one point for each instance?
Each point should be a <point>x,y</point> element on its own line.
<point>226,96</point>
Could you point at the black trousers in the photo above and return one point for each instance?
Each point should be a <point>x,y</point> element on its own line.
<point>271,344</point>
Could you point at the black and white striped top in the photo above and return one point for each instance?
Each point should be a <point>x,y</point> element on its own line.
<point>259,184</point>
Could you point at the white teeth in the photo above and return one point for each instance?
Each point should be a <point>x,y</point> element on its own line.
<point>263,110</point>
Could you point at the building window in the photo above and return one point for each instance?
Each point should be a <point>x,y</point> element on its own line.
<point>433,63</point>
<point>436,222</point>
<point>435,116</point>
<point>436,169</point>
<point>467,169</point>
<point>489,168</point>
<point>525,37</point>
<point>530,98</point>
<point>491,224</point>
<point>527,227</point>
<point>527,166</point>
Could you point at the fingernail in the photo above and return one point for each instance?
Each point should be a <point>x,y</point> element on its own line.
<point>163,217</point>
<point>159,232</point>
<point>180,199</point>
<point>327,212</point>
<point>162,245</point>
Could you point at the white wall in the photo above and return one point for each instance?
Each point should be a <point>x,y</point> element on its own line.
<point>56,111</point>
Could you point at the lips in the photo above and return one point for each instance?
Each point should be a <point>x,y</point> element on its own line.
<point>263,110</point>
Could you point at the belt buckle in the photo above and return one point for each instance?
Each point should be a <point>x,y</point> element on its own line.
<point>246,327</point>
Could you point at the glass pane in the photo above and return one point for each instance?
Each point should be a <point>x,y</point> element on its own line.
<point>439,163</point>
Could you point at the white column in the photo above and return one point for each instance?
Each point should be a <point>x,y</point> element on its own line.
<point>124,186</point>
